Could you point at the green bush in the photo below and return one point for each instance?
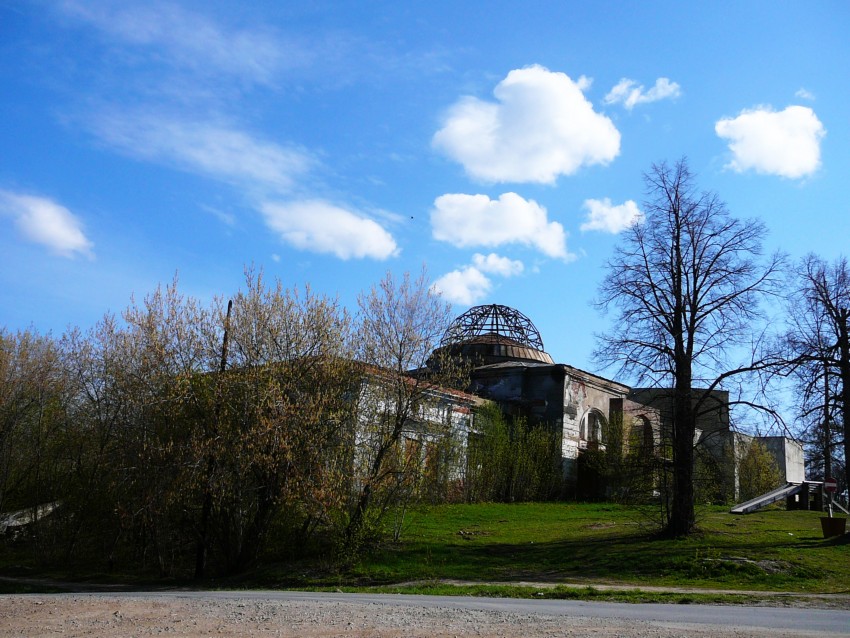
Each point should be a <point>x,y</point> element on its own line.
<point>510,461</point>
<point>758,472</point>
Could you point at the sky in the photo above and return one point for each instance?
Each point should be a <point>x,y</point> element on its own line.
<point>500,145</point>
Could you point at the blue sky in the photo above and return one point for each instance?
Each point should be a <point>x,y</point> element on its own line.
<point>500,144</point>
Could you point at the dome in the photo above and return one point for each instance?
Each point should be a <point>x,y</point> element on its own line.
<point>494,334</point>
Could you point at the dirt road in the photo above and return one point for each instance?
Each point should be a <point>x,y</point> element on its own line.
<point>76,615</point>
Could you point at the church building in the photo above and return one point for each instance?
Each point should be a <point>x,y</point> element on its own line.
<point>510,367</point>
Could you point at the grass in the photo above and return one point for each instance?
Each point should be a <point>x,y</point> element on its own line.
<point>560,592</point>
<point>568,550</point>
<point>772,550</point>
<point>27,588</point>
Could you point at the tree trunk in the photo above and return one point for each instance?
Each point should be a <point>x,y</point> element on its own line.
<point>682,516</point>
<point>844,367</point>
<point>203,537</point>
<point>356,521</point>
<point>202,547</point>
<point>827,433</point>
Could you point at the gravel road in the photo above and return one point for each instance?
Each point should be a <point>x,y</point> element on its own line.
<point>72,615</point>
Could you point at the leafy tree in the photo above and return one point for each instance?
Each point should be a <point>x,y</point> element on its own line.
<point>401,323</point>
<point>640,471</point>
<point>169,348</point>
<point>510,461</point>
<point>488,456</point>
<point>758,472</point>
<point>96,365</point>
<point>283,413</point>
<point>33,411</point>
<point>686,283</point>
<point>173,439</point>
<point>535,462</point>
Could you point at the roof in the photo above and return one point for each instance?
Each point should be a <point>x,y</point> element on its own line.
<point>492,334</point>
<point>567,369</point>
<point>491,348</point>
<point>496,320</point>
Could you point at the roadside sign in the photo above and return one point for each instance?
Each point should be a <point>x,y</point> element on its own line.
<point>830,484</point>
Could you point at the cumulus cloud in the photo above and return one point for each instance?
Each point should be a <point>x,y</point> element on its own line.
<point>466,286</point>
<point>603,215</point>
<point>784,143</point>
<point>804,94</point>
<point>476,220</point>
<point>628,93</point>
<point>496,265</point>
<point>321,227</point>
<point>541,126</point>
<point>45,222</point>
<point>470,284</point>
<point>207,148</point>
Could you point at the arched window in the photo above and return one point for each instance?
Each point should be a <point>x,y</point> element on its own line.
<point>593,428</point>
<point>642,438</point>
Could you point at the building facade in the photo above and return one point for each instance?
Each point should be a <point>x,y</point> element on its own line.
<point>509,366</point>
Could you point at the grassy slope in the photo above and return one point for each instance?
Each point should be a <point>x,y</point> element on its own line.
<point>771,550</point>
<point>584,544</point>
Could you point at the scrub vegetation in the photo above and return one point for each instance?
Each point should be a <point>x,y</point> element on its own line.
<point>277,438</point>
<point>556,550</point>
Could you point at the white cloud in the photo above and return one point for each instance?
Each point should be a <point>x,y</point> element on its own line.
<point>189,40</point>
<point>785,143</point>
<point>804,94</point>
<point>465,287</point>
<point>476,220</point>
<point>540,127</point>
<point>630,94</point>
<point>470,284</point>
<point>321,227</point>
<point>45,222</point>
<point>496,265</point>
<point>211,149</point>
<point>584,83</point>
<point>206,51</point>
<point>604,216</point>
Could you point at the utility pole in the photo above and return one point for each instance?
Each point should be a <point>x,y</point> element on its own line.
<point>202,547</point>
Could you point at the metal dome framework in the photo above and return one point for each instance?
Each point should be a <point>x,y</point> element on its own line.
<point>493,319</point>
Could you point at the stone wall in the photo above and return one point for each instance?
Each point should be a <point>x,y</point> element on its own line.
<point>789,457</point>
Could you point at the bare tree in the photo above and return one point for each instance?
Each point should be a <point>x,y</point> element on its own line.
<point>686,283</point>
<point>819,338</point>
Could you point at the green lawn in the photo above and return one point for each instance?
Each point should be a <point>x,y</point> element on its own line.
<point>585,545</point>
<point>567,542</point>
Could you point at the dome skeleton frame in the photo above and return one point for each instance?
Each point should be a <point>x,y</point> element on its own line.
<point>493,319</point>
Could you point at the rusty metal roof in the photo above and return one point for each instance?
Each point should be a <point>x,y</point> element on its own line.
<point>493,319</point>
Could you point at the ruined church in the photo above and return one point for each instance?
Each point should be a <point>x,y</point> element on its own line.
<point>510,367</point>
